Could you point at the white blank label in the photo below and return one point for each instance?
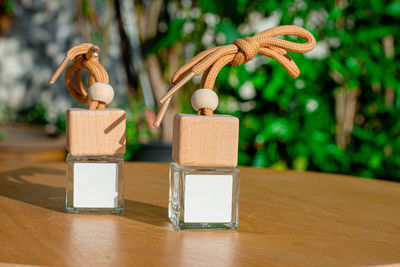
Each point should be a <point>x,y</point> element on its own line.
<point>208,198</point>
<point>95,185</point>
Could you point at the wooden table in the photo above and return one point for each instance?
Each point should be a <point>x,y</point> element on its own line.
<point>286,218</point>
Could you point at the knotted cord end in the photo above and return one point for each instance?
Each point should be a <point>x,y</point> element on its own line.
<point>248,49</point>
<point>59,70</point>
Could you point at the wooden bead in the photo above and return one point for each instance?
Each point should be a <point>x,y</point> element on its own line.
<point>204,98</point>
<point>102,92</point>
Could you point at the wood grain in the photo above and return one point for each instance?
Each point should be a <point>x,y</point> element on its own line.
<point>205,140</point>
<point>96,132</point>
<point>286,219</point>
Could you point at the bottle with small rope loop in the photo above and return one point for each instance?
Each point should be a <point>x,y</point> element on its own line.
<point>95,136</point>
<point>204,180</point>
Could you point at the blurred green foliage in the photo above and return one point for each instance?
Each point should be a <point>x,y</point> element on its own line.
<point>137,128</point>
<point>339,116</point>
<point>288,123</point>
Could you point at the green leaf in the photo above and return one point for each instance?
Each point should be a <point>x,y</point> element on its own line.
<point>393,8</point>
<point>174,35</point>
<point>375,160</point>
<point>300,163</point>
<point>259,159</point>
<point>210,6</point>
<point>229,30</point>
<point>9,6</point>
<point>270,92</point>
<point>278,128</point>
<point>367,34</point>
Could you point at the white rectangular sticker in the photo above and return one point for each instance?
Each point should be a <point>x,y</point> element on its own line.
<point>95,185</point>
<point>208,198</point>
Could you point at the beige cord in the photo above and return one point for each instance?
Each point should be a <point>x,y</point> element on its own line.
<point>241,51</point>
<point>84,56</point>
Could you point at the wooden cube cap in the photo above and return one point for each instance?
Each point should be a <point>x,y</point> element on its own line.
<point>96,132</point>
<point>205,140</point>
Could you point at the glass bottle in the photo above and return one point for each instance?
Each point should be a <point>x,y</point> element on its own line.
<point>95,163</point>
<point>204,181</point>
<point>95,184</point>
<point>203,198</point>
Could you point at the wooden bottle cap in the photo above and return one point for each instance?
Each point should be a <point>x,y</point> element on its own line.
<point>96,132</point>
<point>205,140</point>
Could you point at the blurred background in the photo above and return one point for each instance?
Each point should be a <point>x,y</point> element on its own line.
<point>339,116</point>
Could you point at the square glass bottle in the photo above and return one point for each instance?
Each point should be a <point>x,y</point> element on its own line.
<point>203,198</point>
<point>95,163</point>
<point>204,183</point>
<point>95,184</point>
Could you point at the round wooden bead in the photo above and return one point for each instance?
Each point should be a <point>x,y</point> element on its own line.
<point>204,98</point>
<point>101,92</point>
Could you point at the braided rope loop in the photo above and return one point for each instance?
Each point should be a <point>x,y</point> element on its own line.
<point>84,56</point>
<point>211,61</point>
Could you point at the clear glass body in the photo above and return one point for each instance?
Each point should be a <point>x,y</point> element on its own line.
<point>203,198</point>
<point>95,184</point>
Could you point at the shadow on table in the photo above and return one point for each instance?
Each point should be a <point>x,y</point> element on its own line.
<point>145,213</point>
<point>13,185</point>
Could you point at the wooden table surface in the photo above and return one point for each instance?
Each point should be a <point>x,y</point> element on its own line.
<point>286,218</point>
